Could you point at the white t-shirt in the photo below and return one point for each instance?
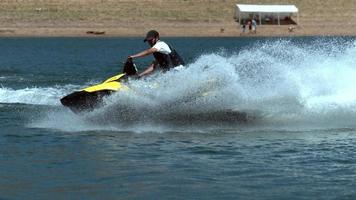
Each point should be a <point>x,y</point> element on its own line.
<point>162,47</point>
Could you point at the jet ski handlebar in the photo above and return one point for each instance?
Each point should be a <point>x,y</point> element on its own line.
<point>130,68</point>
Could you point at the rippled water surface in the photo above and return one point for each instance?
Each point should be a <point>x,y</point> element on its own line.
<point>249,118</point>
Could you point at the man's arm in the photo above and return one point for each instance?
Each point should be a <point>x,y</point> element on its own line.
<point>148,70</point>
<point>144,53</point>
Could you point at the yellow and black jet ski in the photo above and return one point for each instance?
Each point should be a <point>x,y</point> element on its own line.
<point>91,97</point>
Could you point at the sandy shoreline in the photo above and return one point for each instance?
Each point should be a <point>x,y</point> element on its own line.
<point>169,29</point>
<point>184,30</point>
<point>189,18</point>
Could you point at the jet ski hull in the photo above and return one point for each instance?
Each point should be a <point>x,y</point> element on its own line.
<point>84,101</point>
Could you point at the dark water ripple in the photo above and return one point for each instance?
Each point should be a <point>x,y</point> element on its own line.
<point>244,161</point>
<point>176,165</point>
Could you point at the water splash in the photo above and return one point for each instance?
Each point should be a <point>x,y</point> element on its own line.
<point>276,79</point>
<point>274,82</point>
<point>34,95</point>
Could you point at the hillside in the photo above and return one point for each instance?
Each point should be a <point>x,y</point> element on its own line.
<point>171,17</point>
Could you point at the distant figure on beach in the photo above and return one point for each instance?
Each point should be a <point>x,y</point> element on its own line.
<point>243,27</point>
<point>165,56</point>
<point>254,26</point>
<point>249,26</point>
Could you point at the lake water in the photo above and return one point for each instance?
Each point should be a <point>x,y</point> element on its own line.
<point>182,137</point>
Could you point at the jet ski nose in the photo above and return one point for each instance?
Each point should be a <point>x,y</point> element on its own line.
<point>82,100</point>
<point>76,101</point>
<point>71,101</point>
<point>91,97</point>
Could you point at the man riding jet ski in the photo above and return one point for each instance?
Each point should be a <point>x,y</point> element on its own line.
<point>89,98</point>
<point>165,56</point>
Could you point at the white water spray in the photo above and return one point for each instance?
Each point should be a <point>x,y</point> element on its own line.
<point>279,80</point>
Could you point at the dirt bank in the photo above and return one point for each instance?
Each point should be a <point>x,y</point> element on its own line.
<point>171,17</point>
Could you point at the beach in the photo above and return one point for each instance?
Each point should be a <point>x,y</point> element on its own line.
<point>201,18</point>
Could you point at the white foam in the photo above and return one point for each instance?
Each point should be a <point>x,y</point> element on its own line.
<point>275,78</point>
<point>34,95</point>
<point>282,81</point>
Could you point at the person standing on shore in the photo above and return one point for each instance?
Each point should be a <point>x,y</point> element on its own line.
<point>243,27</point>
<point>254,26</point>
<point>249,26</point>
<point>165,56</point>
